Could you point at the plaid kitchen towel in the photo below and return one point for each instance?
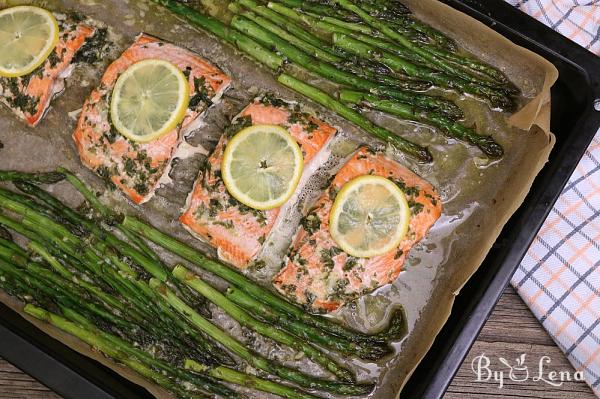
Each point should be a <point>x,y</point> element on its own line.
<point>559,277</point>
<point>579,20</point>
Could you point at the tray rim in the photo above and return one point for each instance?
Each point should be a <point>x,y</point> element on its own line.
<point>35,356</point>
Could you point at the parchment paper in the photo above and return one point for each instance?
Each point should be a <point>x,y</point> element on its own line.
<point>479,197</point>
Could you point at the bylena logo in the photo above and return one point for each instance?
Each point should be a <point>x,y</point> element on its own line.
<point>518,371</point>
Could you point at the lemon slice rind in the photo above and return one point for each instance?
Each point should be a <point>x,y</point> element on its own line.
<point>42,54</point>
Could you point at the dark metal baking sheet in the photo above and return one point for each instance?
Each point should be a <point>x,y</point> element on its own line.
<point>574,123</point>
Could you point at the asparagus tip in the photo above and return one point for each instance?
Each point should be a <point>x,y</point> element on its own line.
<point>5,234</point>
<point>398,327</point>
<point>491,148</point>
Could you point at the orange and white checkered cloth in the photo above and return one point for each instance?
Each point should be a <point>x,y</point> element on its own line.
<point>579,20</point>
<point>559,278</point>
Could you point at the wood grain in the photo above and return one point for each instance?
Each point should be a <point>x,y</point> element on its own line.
<point>511,331</point>
<point>15,384</point>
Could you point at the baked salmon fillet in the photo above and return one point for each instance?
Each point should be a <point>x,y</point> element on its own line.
<point>137,168</point>
<point>29,96</point>
<point>237,231</point>
<point>318,274</point>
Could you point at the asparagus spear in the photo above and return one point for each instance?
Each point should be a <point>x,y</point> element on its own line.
<point>322,54</point>
<point>381,73</point>
<point>40,178</point>
<point>325,100</point>
<point>288,25</point>
<point>394,332</point>
<point>262,328</point>
<point>484,73</point>
<point>283,34</point>
<point>129,289</point>
<point>337,387</point>
<point>331,71</point>
<point>69,296</point>
<point>486,143</point>
<point>313,45</point>
<point>371,353</point>
<point>315,23</point>
<point>200,380</point>
<point>8,243</point>
<point>247,380</point>
<point>445,49</point>
<point>255,359</point>
<point>382,26</point>
<point>75,219</point>
<point>7,200</point>
<point>307,331</point>
<point>23,263</point>
<point>151,264</point>
<point>340,20</point>
<point>325,13</point>
<point>349,20</point>
<point>222,31</point>
<point>116,352</point>
<point>476,66</point>
<point>437,38</point>
<point>497,97</point>
<point>59,293</point>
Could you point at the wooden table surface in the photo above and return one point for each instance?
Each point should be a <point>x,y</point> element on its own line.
<point>511,331</point>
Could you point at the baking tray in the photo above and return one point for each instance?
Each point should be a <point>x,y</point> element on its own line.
<point>574,121</point>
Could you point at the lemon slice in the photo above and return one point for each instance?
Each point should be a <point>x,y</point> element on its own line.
<point>149,100</point>
<point>369,217</point>
<point>261,166</point>
<point>27,37</point>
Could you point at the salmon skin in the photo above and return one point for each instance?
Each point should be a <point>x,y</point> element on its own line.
<point>237,231</point>
<point>318,274</point>
<point>136,168</point>
<point>29,96</point>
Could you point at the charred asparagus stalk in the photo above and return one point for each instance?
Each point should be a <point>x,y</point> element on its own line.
<point>352,342</point>
<point>277,303</point>
<point>75,265</point>
<point>326,54</point>
<point>123,352</point>
<point>262,328</point>
<point>79,254</point>
<point>252,357</point>
<point>39,178</point>
<point>486,143</point>
<point>498,97</point>
<point>309,332</point>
